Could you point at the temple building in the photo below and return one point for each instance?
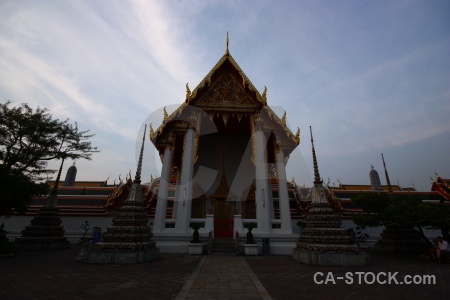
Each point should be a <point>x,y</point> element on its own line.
<point>224,154</point>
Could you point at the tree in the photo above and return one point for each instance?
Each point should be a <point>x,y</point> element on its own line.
<point>17,191</point>
<point>399,212</point>
<point>28,140</point>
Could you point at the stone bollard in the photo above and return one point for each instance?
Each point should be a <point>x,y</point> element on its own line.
<point>210,242</point>
<point>84,244</point>
<point>236,243</point>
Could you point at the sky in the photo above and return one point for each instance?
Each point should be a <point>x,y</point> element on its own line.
<point>370,77</point>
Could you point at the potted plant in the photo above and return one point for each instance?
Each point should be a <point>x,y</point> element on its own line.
<point>195,245</point>
<point>250,246</point>
<point>83,242</point>
<point>361,237</point>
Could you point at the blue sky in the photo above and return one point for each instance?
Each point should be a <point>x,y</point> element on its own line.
<point>370,77</point>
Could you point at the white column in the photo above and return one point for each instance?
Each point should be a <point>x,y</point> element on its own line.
<point>184,197</point>
<point>283,196</point>
<point>262,185</point>
<point>161,205</point>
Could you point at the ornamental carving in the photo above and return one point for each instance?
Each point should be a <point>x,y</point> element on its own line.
<point>226,92</point>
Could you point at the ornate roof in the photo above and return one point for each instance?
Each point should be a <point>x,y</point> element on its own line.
<point>226,90</point>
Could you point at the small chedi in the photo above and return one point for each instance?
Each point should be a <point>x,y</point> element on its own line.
<point>323,241</point>
<point>45,231</point>
<point>129,239</point>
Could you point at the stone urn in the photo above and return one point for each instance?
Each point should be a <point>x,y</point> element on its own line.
<point>250,246</point>
<point>195,246</point>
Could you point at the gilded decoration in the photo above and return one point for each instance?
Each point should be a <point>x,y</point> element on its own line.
<point>297,136</point>
<point>166,116</point>
<point>226,93</point>
<point>188,92</point>
<point>207,80</point>
<point>264,96</point>
<point>227,96</point>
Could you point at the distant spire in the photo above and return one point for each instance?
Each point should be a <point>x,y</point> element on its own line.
<point>387,176</point>
<point>70,176</point>
<point>375,180</point>
<point>317,179</point>
<point>137,177</point>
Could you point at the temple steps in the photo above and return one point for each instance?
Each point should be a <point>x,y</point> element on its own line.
<point>223,246</point>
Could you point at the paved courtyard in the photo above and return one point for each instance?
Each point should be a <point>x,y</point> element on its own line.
<point>56,275</point>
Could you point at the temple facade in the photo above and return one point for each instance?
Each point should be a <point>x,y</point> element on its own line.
<point>223,152</point>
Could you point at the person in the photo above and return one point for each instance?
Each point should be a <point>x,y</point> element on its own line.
<point>441,246</point>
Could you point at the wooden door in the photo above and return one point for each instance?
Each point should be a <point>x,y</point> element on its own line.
<point>223,218</point>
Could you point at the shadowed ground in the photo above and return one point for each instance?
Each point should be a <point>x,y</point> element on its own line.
<point>56,275</point>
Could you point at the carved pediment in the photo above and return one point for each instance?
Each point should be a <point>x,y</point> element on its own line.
<point>226,93</point>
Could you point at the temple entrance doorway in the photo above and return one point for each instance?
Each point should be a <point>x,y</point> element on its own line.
<point>223,218</point>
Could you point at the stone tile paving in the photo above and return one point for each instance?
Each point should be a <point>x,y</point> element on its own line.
<point>223,277</point>
<point>284,278</point>
<point>56,275</point>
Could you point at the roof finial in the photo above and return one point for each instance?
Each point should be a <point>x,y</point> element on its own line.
<point>226,51</point>
<point>317,179</point>
<point>188,92</point>
<point>264,96</point>
<point>166,115</point>
<point>387,176</point>
<point>137,177</point>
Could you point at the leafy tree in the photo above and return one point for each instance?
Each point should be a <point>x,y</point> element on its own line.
<point>17,191</point>
<point>399,211</point>
<point>28,140</point>
<point>373,205</point>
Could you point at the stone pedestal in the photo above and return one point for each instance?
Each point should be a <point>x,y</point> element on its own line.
<point>251,249</point>
<point>122,257</point>
<point>339,259</point>
<point>195,248</point>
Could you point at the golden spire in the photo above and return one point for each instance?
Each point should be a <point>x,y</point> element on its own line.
<point>317,179</point>
<point>226,51</point>
<point>137,177</point>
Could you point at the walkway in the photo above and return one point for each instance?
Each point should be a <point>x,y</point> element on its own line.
<point>223,277</point>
